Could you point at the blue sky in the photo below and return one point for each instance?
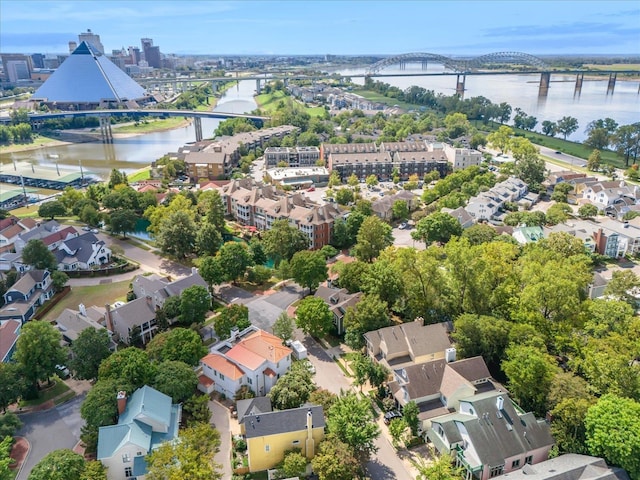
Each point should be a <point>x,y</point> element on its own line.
<point>319,27</point>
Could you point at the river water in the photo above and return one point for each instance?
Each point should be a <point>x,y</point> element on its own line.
<point>134,152</point>
<point>522,91</point>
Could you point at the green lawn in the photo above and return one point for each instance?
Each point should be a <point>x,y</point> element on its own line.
<point>378,97</point>
<point>58,389</point>
<point>142,174</point>
<point>97,295</point>
<point>269,103</point>
<point>152,125</point>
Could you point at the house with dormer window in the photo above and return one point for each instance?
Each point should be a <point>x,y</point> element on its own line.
<point>22,300</point>
<point>338,300</point>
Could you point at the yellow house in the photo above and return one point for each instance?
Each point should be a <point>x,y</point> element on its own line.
<point>269,435</point>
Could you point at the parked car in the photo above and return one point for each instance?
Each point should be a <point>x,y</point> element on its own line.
<point>86,229</point>
<point>403,226</point>
<point>311,189</point>
<point>389,416</point>
<point>95,230</point>
<point>62,371</point>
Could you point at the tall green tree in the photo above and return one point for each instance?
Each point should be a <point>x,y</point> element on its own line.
<point>123,221</point>
<point>36,254</point>
<point>293,388</point>
<point>369,314</point>
<point>100,408</point>
<point>211,271</point>
<point>235,315</point>
<point>567,125</point>
<point>440,468</point>
<point>177,234</point>
<point>191,457</point>
<point>283,240</point>
<point>234,258</point>
<point>129,366</point>
<point>178,344</point>
<point>176,379</point>
<point>294,464</point>
<point>309,269</point>
<point>210,204</point>
<point>613,432</point>
<point>335,460</point>
<point>38,350</point>
<point>350,419</point>
<point>195,302</point>
<point>11,384</point>
<point>5,458</point>
<point>314,317</point>
<point>283,327</point>
<point>373,236</point>
<point>52,209</point>
<point>89,350</point>
<point>208,239</point>
<point>59,465</point>
<point>436,227</point>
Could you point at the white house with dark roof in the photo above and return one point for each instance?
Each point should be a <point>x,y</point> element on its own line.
<point>146,420</point>
<point>488,436</point>
<point>25,296</point>
<point>82,253</point>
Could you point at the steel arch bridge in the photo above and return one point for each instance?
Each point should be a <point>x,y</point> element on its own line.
<point>458,65</point>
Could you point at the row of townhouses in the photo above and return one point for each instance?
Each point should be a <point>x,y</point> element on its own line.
<point>216,159</point>
<point>487,205</point>
<point>257,205</point>
<point>291,156</point>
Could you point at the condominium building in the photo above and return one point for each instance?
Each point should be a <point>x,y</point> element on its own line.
<point>291,156</point>
<point>257,205</point>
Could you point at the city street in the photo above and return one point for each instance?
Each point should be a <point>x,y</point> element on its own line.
<point>50,430</point>
<point>220,420</point>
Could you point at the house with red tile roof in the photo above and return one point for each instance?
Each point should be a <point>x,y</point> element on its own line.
<point>252,358</point>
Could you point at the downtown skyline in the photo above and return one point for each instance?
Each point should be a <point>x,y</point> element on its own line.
<point>327,27</point>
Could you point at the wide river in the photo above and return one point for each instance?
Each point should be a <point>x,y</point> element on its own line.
<point>134,152</point>
<point>522,91</point>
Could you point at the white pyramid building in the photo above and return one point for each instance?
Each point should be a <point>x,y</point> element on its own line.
<point>88,77</point>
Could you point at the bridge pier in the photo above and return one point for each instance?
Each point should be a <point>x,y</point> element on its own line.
<point>424,65</point>
<point>460,86</point>
<point>214,86</point>
<point>545,80</point>
<point>105,129</point>
<point>258,86</point>
<point>197,124</point>
<point>611,85</point>
<point>579,79</point>
<point>403,65</point>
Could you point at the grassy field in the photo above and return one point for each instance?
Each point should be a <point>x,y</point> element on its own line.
<point>38,141</point>
<point>58,389</point>
<point>378,97</point>
<point>98,295</point>
<point>269,103</point>
<point>614,66</point>
<point>142,174</point>
<point>152,125</point>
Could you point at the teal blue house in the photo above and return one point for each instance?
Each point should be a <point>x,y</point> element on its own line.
<point>147,420</point>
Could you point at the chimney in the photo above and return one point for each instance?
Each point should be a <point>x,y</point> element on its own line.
<point>107,318</point>
<point>83,310</point>
<point>309,442</point>
<point>450,355</point>
<point>500,402</point>
<point>194,270</point>
<point>121,398</point>
<point>234,334</point>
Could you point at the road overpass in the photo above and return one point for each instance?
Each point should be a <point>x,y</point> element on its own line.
<point>36,119</point>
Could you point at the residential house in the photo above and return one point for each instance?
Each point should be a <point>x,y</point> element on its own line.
<point>252,357</point>
<point>13,260</point>
<point>570,466</point>
<point>408,343</point>
<point>25,296</point>
<point>464,218</point>
<point>133,320</point>
<point>462,157</point>
<point>146,420</point>
<point>11,228</point>
<point>9,333</point>
<point>82,253</point>
<point>72,322</point>
<point>604,194</point>
<point>438,385</point>
<point>526,235</point>
<point>486,205</point>
<point>37,233</point>
<point>489,436</point>
<point>158,288</point>
<point>269,435</point>
<point>55,239</point>
<point>338,300</point>
<point>383,207</point>
<point>252,406</point>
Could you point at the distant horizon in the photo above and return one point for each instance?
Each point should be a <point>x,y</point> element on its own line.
<point>345,27</point>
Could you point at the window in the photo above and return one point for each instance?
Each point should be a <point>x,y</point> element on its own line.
<point>529,459</point>
<point>221,377</point>
<point>266,448</point>
<point>296,442</point>
<point>126,458</point>
<point>515,463</point>
<point>495,471</point>
<point>249,380</point>
<point>128,472</point>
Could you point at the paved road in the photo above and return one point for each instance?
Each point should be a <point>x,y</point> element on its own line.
<point>563,157</point>
<point>220,420</point>
<point>50,430</point>
<point>385,464</point>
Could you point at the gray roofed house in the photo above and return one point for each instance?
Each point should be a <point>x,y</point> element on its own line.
<point>570,466</point>
<point>146,420</point>
<point>122,320</point>
<point>82,253</point>
<point>338,301</point>
<point>160,288</point>
<point>408,343</point>
<point>37,233</point>
<point>489,436</point>
<point>72,322</point>
<point>253,406</point>
<point>280,431</point>
<point>461,215</point>
<point>87,77</point>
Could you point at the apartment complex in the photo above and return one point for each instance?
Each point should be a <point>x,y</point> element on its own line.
<point>257,205</point>
<point>406,158</point>
<point>291,156</point>
<point>215,160</point>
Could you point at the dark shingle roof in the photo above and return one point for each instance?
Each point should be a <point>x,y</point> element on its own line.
<point>282,421</point>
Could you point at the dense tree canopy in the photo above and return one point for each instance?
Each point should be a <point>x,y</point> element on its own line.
<point>89,350</point>
<point>38,255</point>
<point>38,350</point>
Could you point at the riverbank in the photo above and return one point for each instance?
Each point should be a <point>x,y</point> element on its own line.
<point>150,126</point>
<point>39,141</point>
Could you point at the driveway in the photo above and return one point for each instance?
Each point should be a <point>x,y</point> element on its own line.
<point>220,420</point>
<point>50,430</point>
<point>402,238</point>
<point>385,464</point>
